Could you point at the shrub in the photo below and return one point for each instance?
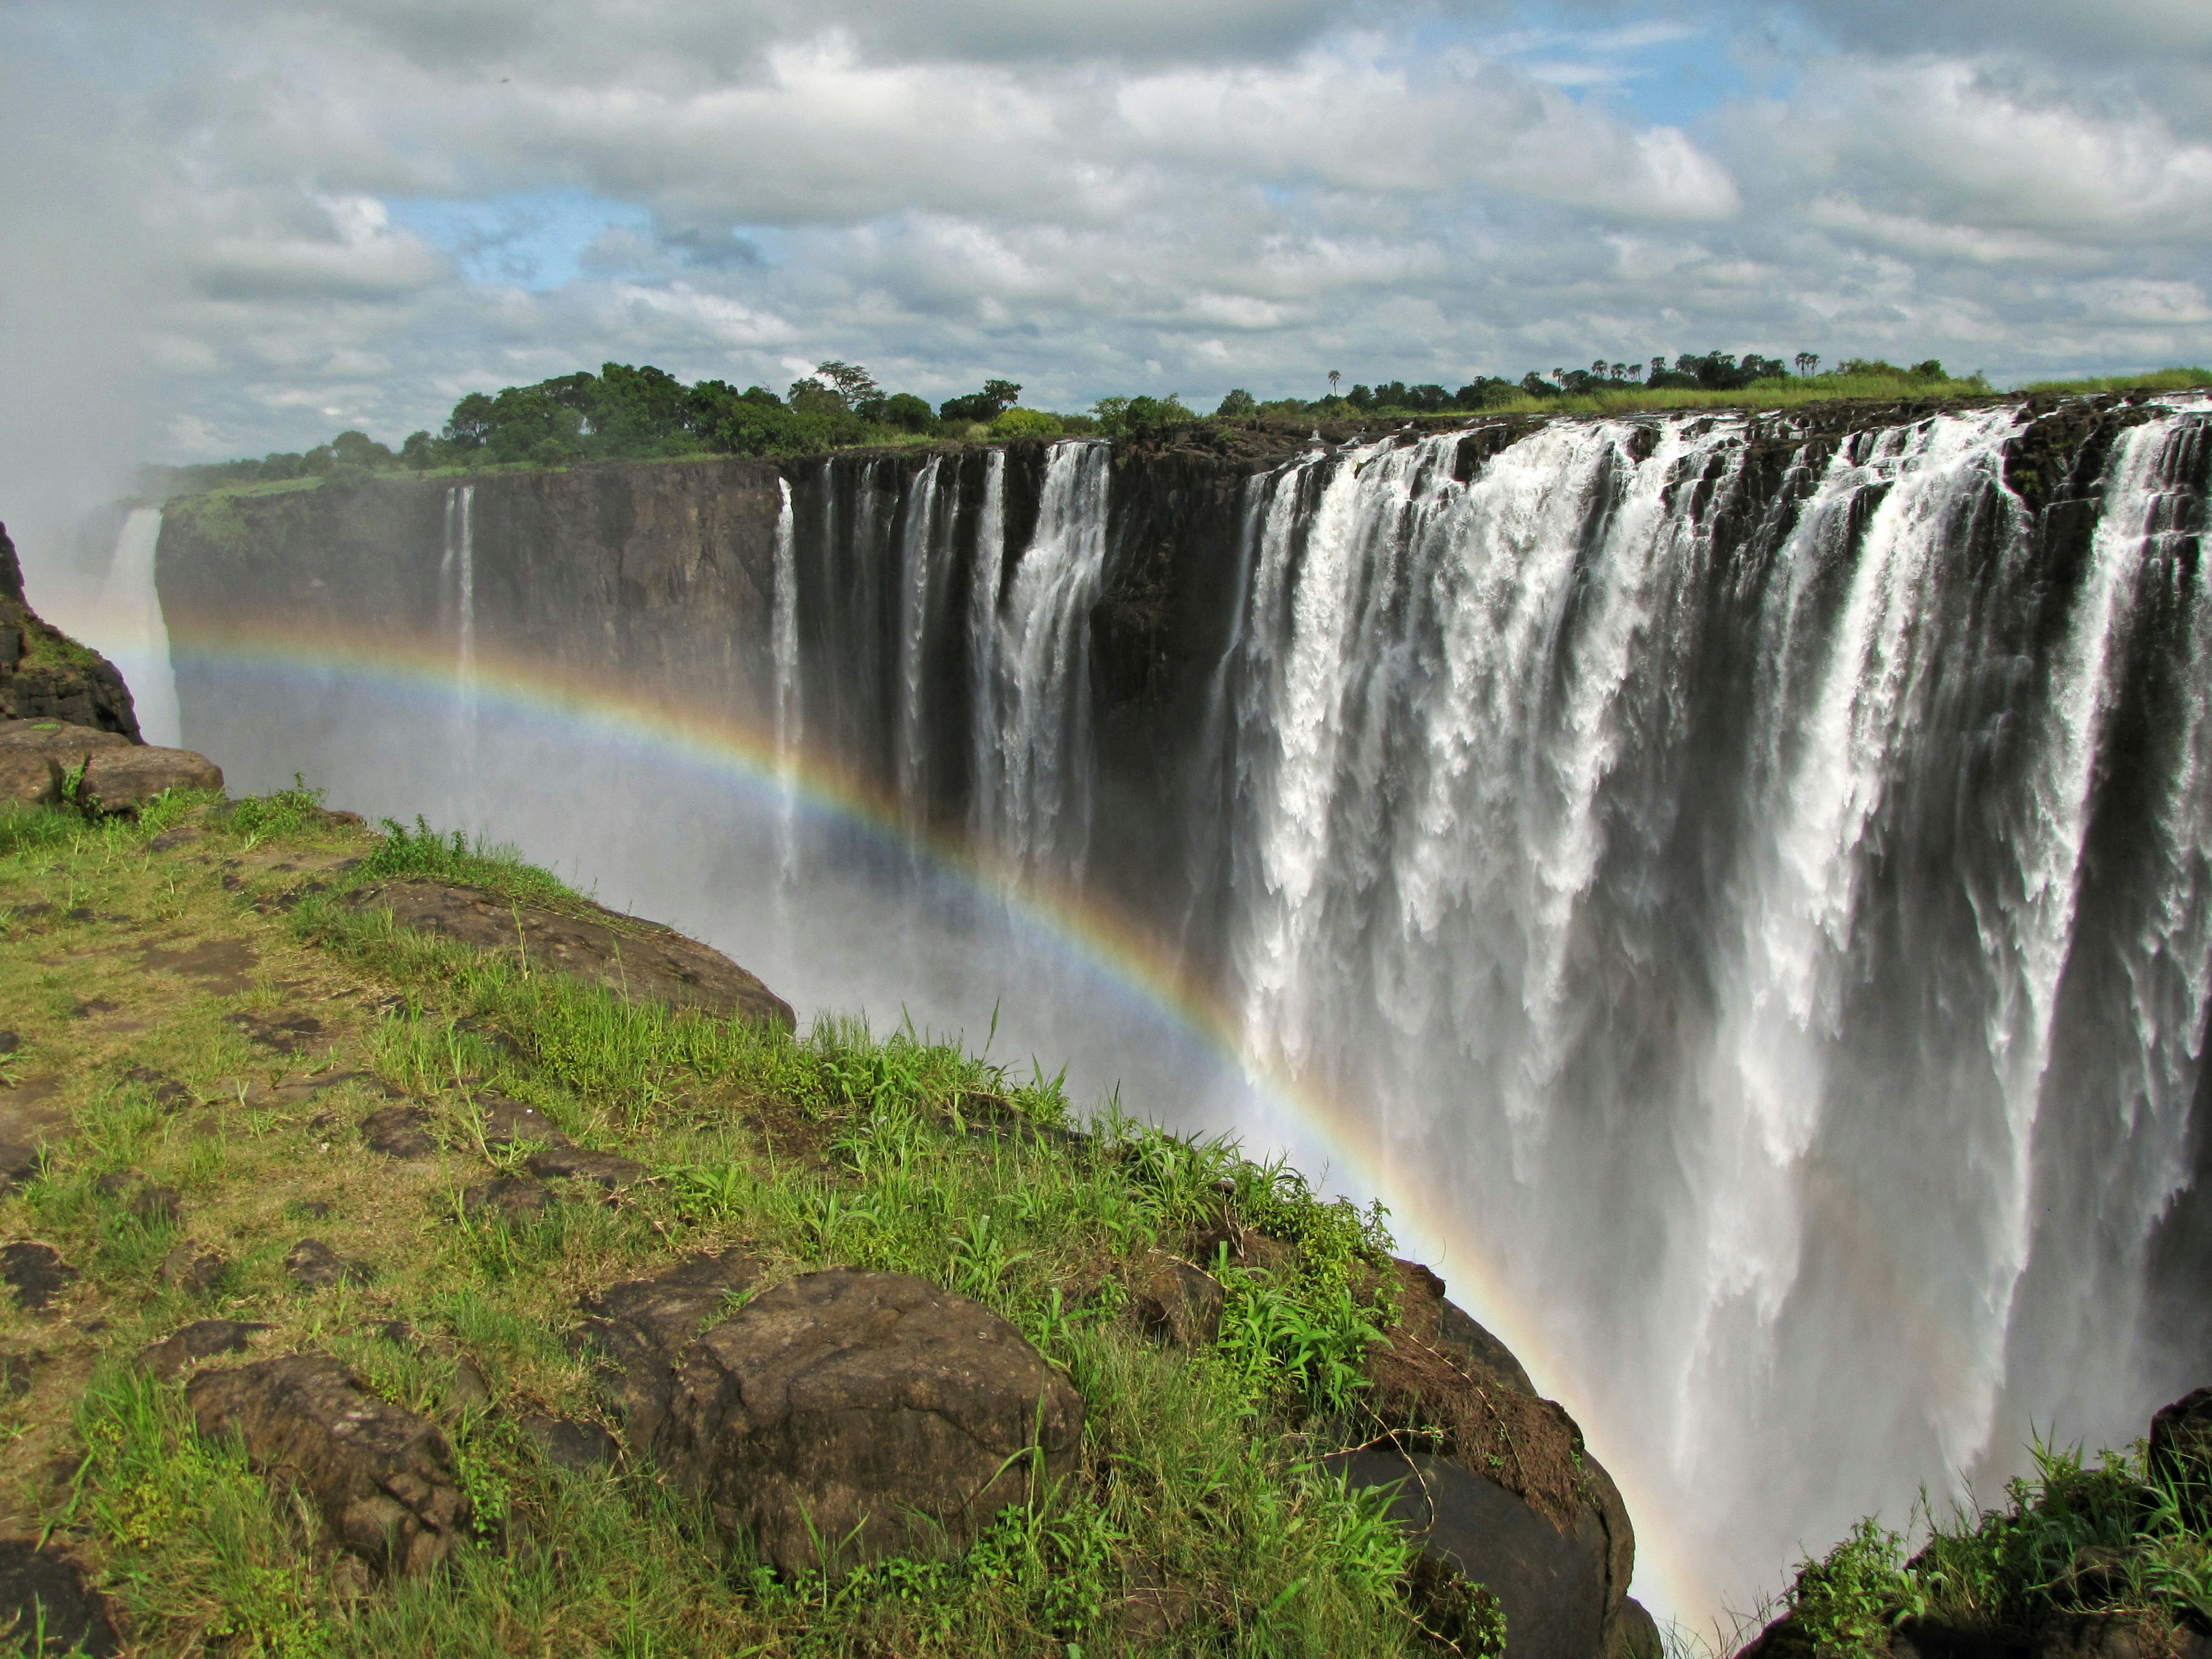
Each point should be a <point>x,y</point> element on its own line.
<point>1020,423</point>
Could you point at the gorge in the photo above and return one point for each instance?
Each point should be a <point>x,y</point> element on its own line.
<point>1736,885</point>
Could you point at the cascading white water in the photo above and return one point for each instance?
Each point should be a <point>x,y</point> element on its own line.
<point>457,582</point>
<point>130,631</point>
<point>783,646</point>
<point>1749,885</point>
<point>1036,813</point>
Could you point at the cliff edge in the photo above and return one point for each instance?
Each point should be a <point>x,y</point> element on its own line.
<point>45,675</point>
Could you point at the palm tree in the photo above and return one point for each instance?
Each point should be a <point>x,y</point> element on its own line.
<point>1335,375</point>
<point>1807,362</point>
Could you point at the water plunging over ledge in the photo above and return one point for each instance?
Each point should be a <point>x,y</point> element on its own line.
<point>1741,885</point>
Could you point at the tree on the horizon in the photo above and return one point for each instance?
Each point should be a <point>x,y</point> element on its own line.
<point>1335,375</point>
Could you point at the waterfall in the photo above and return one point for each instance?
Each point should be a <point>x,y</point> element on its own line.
<point>1743,882</point>
<point>456,573</point>
<point>783,644</point>
<point>132,632</point>
<point>1037,814</point>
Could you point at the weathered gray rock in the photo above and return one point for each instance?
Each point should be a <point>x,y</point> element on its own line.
<point>871,1410</point>
<point>641,1326</point>
<point>381,1476</point>
<point>641,960</point>
<point>125,780</point>
<point>203,1338</point>
<point>1174,1300</point>
<point>578,1448</point>
<point>118,776</point>
<point>43,1590</point>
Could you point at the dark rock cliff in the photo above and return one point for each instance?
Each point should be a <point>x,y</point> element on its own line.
<point>45,675</point>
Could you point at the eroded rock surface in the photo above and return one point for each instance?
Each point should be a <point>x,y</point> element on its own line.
<point>43,1590</point>
<point>869,1410</point>
<point>636,959</point>
<point>642,1325</point>
<point>381,1476</point>
<point>203,1338</point>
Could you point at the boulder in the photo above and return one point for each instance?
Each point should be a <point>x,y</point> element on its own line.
<point>125,780</point>
<point>47,676</point>
<point>119,775</point>
<point>641,1325</point>
<point>381,1476</point>
<point>1175,1301</point>
<point>42,1590</point>
<point>871,1411</point>
<point>640,960</point>
<point>203,1338</point>
<point>578,1448</point>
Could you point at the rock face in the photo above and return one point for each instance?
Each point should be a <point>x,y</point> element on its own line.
<point>871,1411</point>
<point>43,1588</point>
<point>382,1478</point>
<point>45,675</point>
<point>1498,1482</point>
<point>642,1325</point>
<point>636,959</point>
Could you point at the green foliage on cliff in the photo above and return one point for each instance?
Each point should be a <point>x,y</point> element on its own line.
<point>2113,1540</point>
<point>1200,1519</point>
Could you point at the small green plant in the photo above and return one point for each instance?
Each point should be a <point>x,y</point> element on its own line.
<point>285,812</point>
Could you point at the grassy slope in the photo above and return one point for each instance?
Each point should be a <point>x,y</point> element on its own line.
<point>832,1147</point>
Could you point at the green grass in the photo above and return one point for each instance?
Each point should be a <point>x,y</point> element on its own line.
<point>2163,380</point>
<point>1199,1474</point>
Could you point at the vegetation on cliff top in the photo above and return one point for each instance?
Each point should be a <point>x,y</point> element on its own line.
<point>2124,1542</point>
<point>202,1024</point>
<point>644,413</point>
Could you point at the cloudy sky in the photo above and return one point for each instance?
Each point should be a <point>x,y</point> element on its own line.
<point>228,226</point>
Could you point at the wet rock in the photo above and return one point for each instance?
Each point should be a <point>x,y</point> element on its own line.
<point>381,1476</point>
<point>1551,1583</point>
<point>504,1198</point>
<point>641,1325</point>
<point>203,1338</point>
<point>868,1408</point>
<point>573,1163</point>
<point>578,1448</point>
<point>192,1270</point>
<point>312,1265</point>
<point>36,1272</point>
<point>635,959</point>
<point>400,1131</point>
<point>43,1591</point>
<point>1175,1301</point>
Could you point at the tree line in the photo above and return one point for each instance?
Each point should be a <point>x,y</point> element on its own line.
<point>627,413</point>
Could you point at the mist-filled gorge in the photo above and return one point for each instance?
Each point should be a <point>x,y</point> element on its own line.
<point>1735,885</point>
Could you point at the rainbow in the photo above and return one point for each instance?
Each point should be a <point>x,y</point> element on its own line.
<point>1100,937</point>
